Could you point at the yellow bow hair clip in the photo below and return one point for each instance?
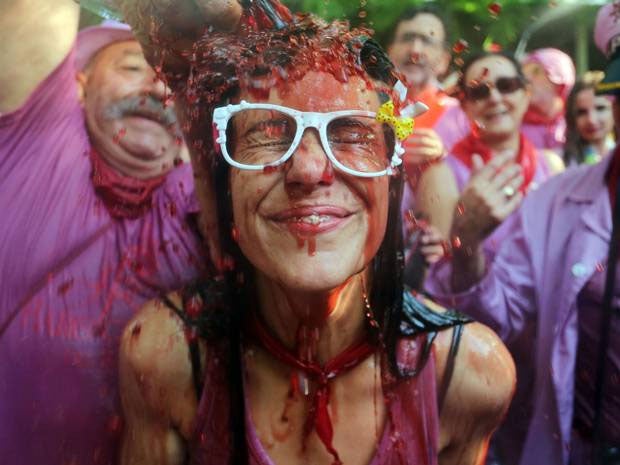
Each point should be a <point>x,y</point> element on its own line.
<point>403,126</point>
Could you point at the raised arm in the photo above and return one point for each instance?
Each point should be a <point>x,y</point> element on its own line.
<point>36,35</point>
<point>437,195</point>
<point>174,25</point>
<point>159,402</point>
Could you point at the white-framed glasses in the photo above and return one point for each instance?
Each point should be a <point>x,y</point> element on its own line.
<point>267,135</point>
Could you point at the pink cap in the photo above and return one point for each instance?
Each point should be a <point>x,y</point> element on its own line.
<point>558,67</point>
<point>607,25</point>
<point>92,39</point>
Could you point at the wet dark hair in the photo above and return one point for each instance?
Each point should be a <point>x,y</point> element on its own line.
<point>479,56</point>
<point>412,12</point>
<point>574,147</point>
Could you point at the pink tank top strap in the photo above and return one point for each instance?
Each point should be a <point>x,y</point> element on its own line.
<point>211,442</point>
<point>413,424</point>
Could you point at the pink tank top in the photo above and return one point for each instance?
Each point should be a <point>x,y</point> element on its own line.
<point>410,435</point>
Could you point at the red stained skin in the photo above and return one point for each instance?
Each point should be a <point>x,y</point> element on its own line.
<point>135,331</point>
<point>64,287</point>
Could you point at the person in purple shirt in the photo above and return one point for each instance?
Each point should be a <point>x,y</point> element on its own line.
<point>96,222</point>
<point>549,276</point>
<point>551,74</point>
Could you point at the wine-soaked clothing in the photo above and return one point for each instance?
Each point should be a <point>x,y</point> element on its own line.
<point>411,432</point>
<point>71,277</point>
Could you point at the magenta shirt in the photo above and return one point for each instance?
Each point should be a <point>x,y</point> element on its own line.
<point>559,241</point>
<point>71,277</point>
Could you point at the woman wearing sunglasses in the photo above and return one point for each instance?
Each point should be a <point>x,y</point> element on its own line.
<point>471,197</point>
<point>494,94</point>
<point>305,349</point>
<point>555,279</point>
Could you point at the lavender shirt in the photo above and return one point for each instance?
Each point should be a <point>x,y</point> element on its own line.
<point>71,277</point>
<point>559,241</point>
<point>546,136</point>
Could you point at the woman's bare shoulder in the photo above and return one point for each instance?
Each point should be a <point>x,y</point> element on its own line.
<point>484,372</point>
<point>155,365</point>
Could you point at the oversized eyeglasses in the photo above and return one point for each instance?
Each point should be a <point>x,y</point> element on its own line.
<point>266,135</point>
<point>504,85</point>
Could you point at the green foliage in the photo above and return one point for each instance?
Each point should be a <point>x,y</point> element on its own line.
<point>470,20</point>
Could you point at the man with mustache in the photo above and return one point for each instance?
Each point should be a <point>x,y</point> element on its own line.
<point>419,49</point>
<point>97,220</point>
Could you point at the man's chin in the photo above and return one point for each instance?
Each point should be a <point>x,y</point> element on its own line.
<point>416,77</point>
<point>141,160</point>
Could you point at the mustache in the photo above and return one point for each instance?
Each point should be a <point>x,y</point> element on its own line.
<point>144,106</point>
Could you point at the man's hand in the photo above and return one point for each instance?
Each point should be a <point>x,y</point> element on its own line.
<point>422,146</point>
<point>176,24</point>
<point>491,195</point>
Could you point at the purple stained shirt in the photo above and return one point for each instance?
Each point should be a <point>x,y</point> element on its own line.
<point>559,242</point>
<point>71,277</point>
<point>590,314</point>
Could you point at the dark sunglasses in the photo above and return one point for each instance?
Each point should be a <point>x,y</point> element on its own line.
<point>504,85</point>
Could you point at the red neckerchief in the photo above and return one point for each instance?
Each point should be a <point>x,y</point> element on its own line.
<point>532,116</point>
<point>123,196</point>
<point>318,417</point>
<point>465,148</point>
<point>433,98</point>
<point>612,176</point>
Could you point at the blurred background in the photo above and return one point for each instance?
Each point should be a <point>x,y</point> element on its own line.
<point>513,25</point>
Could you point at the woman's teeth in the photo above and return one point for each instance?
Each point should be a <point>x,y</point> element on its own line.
<point>312,219</point>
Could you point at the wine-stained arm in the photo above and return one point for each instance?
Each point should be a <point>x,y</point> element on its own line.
<point>36,36</point>
<point>478,395</point>
<point>157,392</point>
<point>173,25</point>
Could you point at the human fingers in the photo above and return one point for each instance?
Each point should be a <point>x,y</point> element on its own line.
<point>477,163</point>
<point>509,206</point>
<point>505,176</point>
<point>431,235</point>
<point>432,253</point>
<point>489,170</point>
<point>511,187</point>
<point>224,14</point>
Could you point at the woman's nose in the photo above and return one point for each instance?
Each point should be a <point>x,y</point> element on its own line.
<point>309,163</point>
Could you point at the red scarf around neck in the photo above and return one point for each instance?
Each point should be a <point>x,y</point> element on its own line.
<point>532,116</point>
<point>471,144</point>
<point>123,196</point>
<point>318,417</point>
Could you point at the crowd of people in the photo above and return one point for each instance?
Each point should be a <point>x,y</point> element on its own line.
<point>242,235</point>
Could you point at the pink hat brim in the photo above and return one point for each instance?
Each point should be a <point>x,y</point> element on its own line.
<point>92,39</point>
